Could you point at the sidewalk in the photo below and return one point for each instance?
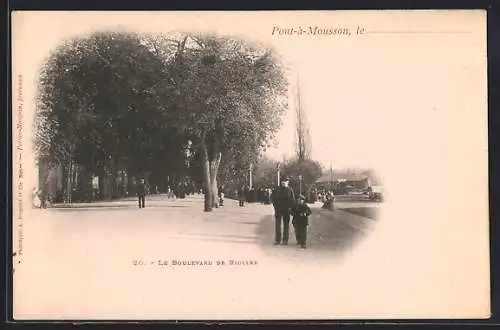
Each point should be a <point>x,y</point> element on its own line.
<point>330,233</point>
<point>337,229</point>
<point>156,199</point>
<point>89,254</point>
<point>328,229</point>
<point>182,224</point>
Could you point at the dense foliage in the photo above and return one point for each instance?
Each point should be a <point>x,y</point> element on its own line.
<point>113,102</point>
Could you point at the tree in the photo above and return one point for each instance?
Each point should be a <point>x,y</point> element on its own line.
<point>302,138</point>
<point>97,106</point>
<point>310,171</point>
<point>113,101</point>
<point>266,172</point>
<point>234,94</point>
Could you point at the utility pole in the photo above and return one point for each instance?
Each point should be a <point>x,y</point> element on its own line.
<point>331,176</point>
<point>300,184</point>
<point>278,171</point>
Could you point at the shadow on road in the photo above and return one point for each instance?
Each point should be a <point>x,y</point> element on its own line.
<point>220,238</point>
<point>213,239</point>
<point>367,212</point>
<point>93,207</point>
<point>90,206</point>
<point>223,236</point>
<point>327,233</point>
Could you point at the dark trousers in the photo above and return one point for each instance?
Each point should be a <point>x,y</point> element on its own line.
<point>300,227</point>
<point>242,202</point>
<point>142,200</point>
<point>282,217</point>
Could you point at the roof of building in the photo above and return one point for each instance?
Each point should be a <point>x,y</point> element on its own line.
<point>349,177</point>
<point>353,177</point>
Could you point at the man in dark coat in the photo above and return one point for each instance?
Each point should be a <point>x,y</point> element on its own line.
<point>242,195</point>
<point>141,193</point>
<point>283,200</point>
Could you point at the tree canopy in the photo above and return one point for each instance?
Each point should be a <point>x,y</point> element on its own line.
<point>308,169</point>
<point>112,100</point>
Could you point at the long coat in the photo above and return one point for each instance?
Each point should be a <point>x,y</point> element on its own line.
<point>283,199</point>
<point>242,194</point>
<point>141,189</point>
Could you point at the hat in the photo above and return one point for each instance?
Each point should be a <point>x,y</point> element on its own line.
<point>285,178</point>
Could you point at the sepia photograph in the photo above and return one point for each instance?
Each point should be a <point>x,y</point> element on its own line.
<point>250,165</point>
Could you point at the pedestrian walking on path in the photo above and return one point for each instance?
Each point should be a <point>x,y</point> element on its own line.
<point>170,193</point>
<point>141,193</point>
<point>242,195</point>
<point>300,221</point>
<point>221,196</point>
<point>283,200</point>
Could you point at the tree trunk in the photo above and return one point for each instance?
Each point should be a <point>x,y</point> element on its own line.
<point>131,178</point>
<point>69,181</point>
<point>102,186</point>
<point>206,175</point>
<point>123,186</point>
<point>214,167</point>
<point>43,177</point>
<point>208,191</point>
<point>114,183</point>
<point>88,188</point>
<point>215,192</point>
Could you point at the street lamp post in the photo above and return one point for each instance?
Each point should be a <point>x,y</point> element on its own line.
<point>300,184</point>
<point>331,176</point>
<point>278,171</point>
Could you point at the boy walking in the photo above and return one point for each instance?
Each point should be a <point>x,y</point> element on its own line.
<point>301,213</point>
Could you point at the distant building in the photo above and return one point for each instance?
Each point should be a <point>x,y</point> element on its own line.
<point>343,183</point>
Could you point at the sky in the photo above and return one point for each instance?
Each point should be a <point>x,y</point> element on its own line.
<point>334,86</point>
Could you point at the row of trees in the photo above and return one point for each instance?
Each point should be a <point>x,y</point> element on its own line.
<point>267,170</point>
<point>197,105</point>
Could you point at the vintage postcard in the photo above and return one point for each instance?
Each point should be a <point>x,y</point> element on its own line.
<point>250,165</point>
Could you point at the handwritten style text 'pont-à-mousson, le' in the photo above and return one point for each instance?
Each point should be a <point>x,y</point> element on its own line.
<point>313,30</point>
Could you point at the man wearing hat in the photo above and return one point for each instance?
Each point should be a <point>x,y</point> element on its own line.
<point>141,193</point>
<point>283,200</point>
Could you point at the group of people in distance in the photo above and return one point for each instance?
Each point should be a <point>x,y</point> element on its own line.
<point>285,206</point>
<point>262,195</point>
